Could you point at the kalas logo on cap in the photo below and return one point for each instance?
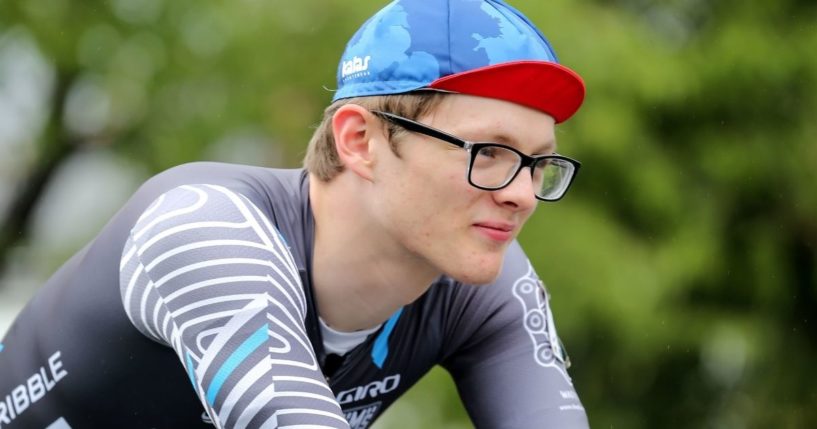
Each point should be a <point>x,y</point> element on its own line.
<point>355,67</point>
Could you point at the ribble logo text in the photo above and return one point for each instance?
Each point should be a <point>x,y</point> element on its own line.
<point>34,388</point>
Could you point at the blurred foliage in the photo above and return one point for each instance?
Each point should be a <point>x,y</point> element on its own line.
<point>682,266</point>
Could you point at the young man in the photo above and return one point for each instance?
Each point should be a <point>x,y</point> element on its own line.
<point>315,298</point>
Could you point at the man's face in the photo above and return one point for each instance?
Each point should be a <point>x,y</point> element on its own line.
<point>425,202</point>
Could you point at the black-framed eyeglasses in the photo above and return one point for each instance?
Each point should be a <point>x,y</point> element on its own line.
<point>494,166</point>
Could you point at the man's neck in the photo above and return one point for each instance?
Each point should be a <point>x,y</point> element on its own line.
<point>360,274</point>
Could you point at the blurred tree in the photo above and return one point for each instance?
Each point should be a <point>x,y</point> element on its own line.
<point>692,298</point>
<point>683,264</point>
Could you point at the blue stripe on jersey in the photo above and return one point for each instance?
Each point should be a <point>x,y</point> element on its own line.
<point>1,347</point>
<point>281,236</point>
<point>190,370</point>
<point>381,345</point>
<point>245,349</point>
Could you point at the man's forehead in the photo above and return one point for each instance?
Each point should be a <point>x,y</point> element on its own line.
<point>485,120</point>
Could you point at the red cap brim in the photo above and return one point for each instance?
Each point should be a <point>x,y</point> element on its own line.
<point>548,87</point>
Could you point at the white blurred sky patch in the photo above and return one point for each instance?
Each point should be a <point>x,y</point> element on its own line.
<point>86,191</point>
<point>26,80</point>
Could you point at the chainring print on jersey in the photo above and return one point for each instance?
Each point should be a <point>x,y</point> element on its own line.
<point>206,273</point>
<point>530,291</point>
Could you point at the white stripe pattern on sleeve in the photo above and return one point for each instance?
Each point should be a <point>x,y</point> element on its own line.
<point>206,273</point>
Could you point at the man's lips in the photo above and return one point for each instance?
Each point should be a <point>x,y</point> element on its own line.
<point>498,231</point>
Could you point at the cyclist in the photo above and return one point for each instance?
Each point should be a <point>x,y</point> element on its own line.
<point>247,297</point>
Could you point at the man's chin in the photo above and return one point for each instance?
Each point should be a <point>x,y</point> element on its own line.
<point>481,275</point>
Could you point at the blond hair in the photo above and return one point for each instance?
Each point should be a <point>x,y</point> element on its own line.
<point>321,156</point>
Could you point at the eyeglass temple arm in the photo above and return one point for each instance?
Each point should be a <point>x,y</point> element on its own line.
<point>423,129</point>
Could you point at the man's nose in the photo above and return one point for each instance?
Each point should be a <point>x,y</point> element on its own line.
<point>519,193</point>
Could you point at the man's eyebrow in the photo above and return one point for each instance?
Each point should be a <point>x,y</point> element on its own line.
<point>545,148</point>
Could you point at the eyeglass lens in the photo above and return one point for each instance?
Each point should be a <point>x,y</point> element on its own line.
<point>494,166</point>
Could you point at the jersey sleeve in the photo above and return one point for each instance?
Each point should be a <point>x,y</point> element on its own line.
<point>505,356</point>
<point>206,273</point>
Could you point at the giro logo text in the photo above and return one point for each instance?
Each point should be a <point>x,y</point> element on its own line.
<point>369,391</point>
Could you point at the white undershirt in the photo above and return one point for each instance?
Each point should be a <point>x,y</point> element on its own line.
<point>338,342</point>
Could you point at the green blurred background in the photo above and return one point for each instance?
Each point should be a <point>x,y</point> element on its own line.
<point>681,266</point>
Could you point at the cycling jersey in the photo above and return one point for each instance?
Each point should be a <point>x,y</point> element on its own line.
<point>193,307</point>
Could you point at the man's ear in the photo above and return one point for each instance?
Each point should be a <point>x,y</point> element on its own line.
<point>353,127</point>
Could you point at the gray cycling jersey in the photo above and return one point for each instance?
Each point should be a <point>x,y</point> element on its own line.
<point>193,308</point>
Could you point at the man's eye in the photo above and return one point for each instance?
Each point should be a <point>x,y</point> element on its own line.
<point>489,152</point>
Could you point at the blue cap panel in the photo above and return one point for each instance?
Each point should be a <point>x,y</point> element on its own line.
<point>411,43</point>
<point>383,56</point>
<point>517,40</point>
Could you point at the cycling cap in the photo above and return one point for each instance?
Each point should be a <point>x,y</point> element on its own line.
<point>477,47</point>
